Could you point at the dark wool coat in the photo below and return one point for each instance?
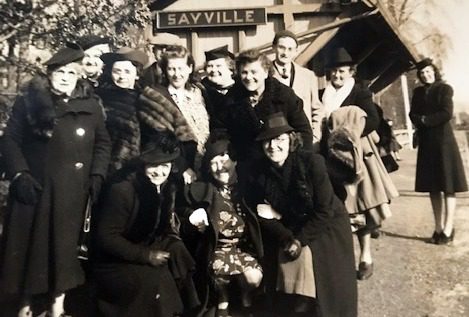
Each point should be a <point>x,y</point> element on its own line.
<point>302,193</point>
<point>135,219</point>
<point>439,165</point>
<point>243,122</point>
<point>202,245</point>
<point>61,145</point>
<point>215,103</point>
<point>122,123</point>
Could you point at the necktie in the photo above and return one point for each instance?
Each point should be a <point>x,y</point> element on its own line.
<point>284,73</point>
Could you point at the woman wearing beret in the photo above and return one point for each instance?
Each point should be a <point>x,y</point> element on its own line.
<point>439,167</point>
<point>56,150</point>
<point>225,233</point>
<point>178,105</point>
<point>119,92</point>
<point>141,266</point>
<point>309,258</point>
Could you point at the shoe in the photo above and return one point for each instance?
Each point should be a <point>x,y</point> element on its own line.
<point>375,234</point>
<point>444,239</point>
<point>365,271</point>
<point>435,239</point>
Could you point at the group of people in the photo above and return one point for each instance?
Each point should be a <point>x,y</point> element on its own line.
<point>205,194</point>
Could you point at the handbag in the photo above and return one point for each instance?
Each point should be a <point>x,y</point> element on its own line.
<point>389,163</point>
<point>82,248</point>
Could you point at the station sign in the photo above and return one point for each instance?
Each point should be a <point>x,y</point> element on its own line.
<point>210,18</point>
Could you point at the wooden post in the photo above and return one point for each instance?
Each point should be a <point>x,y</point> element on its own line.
<point>405,97</point>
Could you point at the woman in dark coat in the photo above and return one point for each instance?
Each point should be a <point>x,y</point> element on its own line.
<point>56,149</point>
<point>119,92</point>
<point>141,266</point>
<point>439,166</point>
<point>300,218</point>
<point>255,95</point>
<point>225,234</point>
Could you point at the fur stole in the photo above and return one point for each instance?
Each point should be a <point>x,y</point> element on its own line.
<point>122,123</point>
<point>41,104</point>
<point>159,112</point>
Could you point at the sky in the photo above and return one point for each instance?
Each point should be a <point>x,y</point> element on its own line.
<point>451,17</point>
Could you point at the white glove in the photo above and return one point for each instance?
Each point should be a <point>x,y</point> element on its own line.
<point>189,176</point>
<point>267,212</point>
<point>199,218</point>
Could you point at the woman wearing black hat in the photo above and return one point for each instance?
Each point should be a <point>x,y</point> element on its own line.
<point>56,150</point>
<point>305,228</point>
<point>225,233</point>
<point>141,265</point>
<point>439,166</point>
<point>119,92</point>
<point>349,106</point>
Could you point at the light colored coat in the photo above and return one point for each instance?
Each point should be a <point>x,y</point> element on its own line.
<point>305,85</point>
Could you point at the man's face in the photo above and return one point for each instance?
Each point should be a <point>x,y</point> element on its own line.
<point>92,63</point>
<point>124,74</point>
<point>253,76</point>
<point>285,50</point>
<point>64,79</point>
<point>339,75</point>
<point>219,72</point>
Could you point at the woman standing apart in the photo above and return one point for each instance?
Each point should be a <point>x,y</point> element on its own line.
<point>439,167</point>
<point>56,150</point>
<point>300,215</point>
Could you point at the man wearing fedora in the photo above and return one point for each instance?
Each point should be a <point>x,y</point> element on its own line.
<point>219,69</point>
<point>158,44</point>
<point>302,80</point>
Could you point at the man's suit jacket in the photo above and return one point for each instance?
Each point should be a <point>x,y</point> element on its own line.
<point>305,85</point>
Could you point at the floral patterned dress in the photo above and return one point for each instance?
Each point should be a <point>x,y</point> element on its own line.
<point>229,259</point>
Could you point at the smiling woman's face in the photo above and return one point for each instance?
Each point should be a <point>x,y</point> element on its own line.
<point>158,174</point>
<point>277,149</point>
<point>222,168</point>
<point>178,72</point>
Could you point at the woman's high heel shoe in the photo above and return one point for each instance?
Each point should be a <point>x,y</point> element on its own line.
<point>444,239</point>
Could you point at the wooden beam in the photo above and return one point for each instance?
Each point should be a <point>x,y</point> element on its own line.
<point>241,40</point>
<point>194,43</point>
<point>293,8</point>
<point>315,46</point>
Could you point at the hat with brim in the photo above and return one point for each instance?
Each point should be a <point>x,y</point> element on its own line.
<point>72,52</point>
<point>424,63</point>
<point>164,39</point>
<point>219,52</point>
<point>160,148</point>
<point>88,41</point>
<point>218,147</point>
<point>125,54</point>
<point>339,57</point>
<point>274,125</point>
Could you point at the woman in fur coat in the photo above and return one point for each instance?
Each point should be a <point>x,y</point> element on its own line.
<point>56,150</point>
<point>178,106</point>
<point>119,92</point>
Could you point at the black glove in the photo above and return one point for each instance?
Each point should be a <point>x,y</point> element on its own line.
<point>26,189</point>
<point>157,257</point>
<point>293,249</point>
<point>96,181</point>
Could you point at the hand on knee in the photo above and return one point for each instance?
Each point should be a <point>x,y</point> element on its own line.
<point>253,277</point>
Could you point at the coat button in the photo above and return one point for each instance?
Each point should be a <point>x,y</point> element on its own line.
<point>78,165</point>
<point>80,131</point>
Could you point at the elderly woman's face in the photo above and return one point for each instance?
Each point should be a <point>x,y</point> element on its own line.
<point>92,63</point>
<point>158,174</point>
<point>64,79</point>
<point>222,168</point>
<point>427,75</point>
<point>219,72</point>
<point>339,75</point>
<point>277,149</point>
<point>253,76</point>
<point>178,72</point>
<point>124,74</point>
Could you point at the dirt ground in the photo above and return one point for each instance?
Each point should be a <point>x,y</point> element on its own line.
<point>412,277</point>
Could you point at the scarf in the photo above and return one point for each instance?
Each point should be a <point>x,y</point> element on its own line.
<point>333,98</point>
